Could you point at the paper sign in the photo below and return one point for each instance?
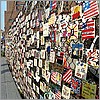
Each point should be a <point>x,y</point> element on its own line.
<point>88,90</point>
<point>88,29</point>
<point>45,30</point>
<point>53,77</point>
<point>52,19</point>
<point>43,73</point>
<point>52,56</point>
<point>43,54</point>
<point>75,85</point>
<point>47,77</point>
<point>34,86</point>
<point>53,36</point>
<point>72,30</point>
<point>76,12</point>
<point>37,78</point>
<point>46,65</point>
<point>38,44</point>
<point>37,89</point>
<point>28,64</point>
<point>42,40</point>
<point>32,73</point>
<point>62,2</point>
<point>89,10</point>
<point>37,71</point>
<point>32,52</point>
<point>32,37</point>
<point>59,19</point>
<point>29,17</point>
<point>35,62</point>
<point>24,29</point>
<point>28,24</point>
<point>94,71</point>
<point>43,86</point>
<point>77,50</point>
<point>67,75</point>
<point>57,94</point>
<point>37,35</point>
<point>58,78</point>
<point>40,63</point>
<point>31,22</point>
<point>66,92</point>
<point>31,63</point>
<point>81,70</point>
<point>47,11</point>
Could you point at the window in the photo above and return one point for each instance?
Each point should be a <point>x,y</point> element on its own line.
<point>11,20</point>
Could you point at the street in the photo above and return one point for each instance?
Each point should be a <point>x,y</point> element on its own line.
<point>8,87</point>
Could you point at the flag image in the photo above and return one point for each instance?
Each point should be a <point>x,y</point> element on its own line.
<point>88,29</point>
<point>67,76</point>
<point>53,77</point>
<point>90,9</point>
<point>57,94</point>
<point>54,4</point>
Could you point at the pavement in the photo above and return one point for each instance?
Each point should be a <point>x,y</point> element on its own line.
<point>8,87</point>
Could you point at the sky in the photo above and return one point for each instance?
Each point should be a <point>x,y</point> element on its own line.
<point>3,8</point>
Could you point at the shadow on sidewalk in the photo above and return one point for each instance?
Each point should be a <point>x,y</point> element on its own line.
<point>4,64</point>
<point>4,71</point>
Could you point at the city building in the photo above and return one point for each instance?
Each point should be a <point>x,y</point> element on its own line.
<point>13,7</point>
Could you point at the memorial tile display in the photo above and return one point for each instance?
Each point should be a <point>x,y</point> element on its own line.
<point>54,52</point>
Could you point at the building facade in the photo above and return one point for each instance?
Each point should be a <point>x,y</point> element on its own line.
<point>13,7</point>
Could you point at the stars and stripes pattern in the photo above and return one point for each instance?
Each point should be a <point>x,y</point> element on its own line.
<point>54,4</point>
<point>57,94</point>
<point>53,77</point>
<point>67,76</point>
<point>88,29</point>
<point>90,9</point>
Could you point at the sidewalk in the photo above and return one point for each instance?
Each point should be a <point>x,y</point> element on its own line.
<point>8,87</point>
